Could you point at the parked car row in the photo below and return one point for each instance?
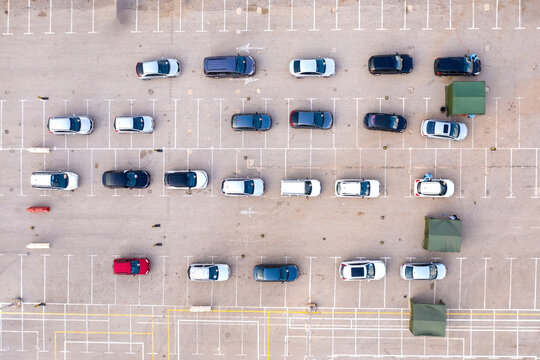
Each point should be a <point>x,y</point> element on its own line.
<point>198,179</point>
<point>354,270</point>
<point>244,66</point>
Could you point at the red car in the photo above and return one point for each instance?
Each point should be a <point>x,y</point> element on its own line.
<point>131,266</point>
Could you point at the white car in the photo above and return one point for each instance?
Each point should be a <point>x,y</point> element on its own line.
<point>134,124</point>
<point>186,179</point>
<point>422,271</point>
<point>242,187</point>
<point>54,180</point>
<point>76,124</point>
<point>208,272</point>
<point>357,188</point>
<point>362,270</point>
<point>433,188</point>
<point>319,67</point>
<point>158,69</point>
<point>307,187</point>
<point>441,129</point>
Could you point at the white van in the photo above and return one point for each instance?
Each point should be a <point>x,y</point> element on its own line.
<point>307,187</point>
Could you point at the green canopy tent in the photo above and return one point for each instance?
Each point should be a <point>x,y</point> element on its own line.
<point>466,97</point>
<point>442,235</point>
<point>428,319</point>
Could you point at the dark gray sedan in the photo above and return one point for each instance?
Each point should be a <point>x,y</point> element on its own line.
<point>385,122</point>
<point>311,119</point>
<point>138,179</point>
<point>275,273</point>
<point>251,122</point>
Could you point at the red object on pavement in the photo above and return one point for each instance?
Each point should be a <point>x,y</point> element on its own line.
<point>38,209</point>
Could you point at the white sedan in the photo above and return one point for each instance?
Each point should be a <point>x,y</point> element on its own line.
<point>208,272</point>
<point>319,67</point>
<point>433,188</point>
<point>134,124</point>
<point>362,270</point>
<point>158,69</point>
<point>76,124</point>
<point>422,271</point>
<point>359,188</point>
<point>186,179</point>
<point>441,129</point>
<point>242,187</point>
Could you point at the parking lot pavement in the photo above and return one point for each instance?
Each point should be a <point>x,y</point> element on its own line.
<point>87,52</point>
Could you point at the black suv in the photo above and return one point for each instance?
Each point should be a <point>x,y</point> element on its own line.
<point>456,66</point>
<point>229,66</point>
<point>390,64</point>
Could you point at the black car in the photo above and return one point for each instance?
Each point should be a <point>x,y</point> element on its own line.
<point>385,122</point>
<point>254,122</point>
<point>130,179</point>
<point>390,64</point>
<point>275,273</point>
<point>311,119</point>
<point>229,66</point>
<point>455,66</point>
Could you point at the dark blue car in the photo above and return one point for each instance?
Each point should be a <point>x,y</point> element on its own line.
<point>390,64</point>
<point>253,122</point>
<point>275,273</point>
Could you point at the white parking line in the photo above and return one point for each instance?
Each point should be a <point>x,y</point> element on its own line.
<point>485,278</point>
<point>157,24</point>
<point>405,16</point>
<point>212,171</point>
<point>187,281</point>
<point>163,274</point>
<point>356,100</point>
<point>333,131</point>
<point>450,27</point>
<point>337,12</point>
<point>359,27</point>
<point>28,32</point>
<point>288,127</point>
<point>22,147</point>
<point>459,288</point>
<point>202,17</point>
<point>314,17</point>
<point>519,120</point>
<point>92,279</point>
<point>473,27</point>
<point>198,117</point>
<point>7,22</point>
<point>247,15</point>
<point>511,196</point>
<point>382,17</point>
<point>535,174</point>
<point>2,124</point>
<point>535,281</point>
<point>67,279</point>
<point>292,16</point>
<point>519,17</point>
<point>427,17</point>
<point>485,175</point>
<point>335,278</point>
<point>269,12</point>
<point>496,16</point>
<point>460,173</point>
<point>136,19</point>
<point>510,283</point>
<point>385,258</point>
<point>93,31</point>
<point>309,277</point>
<point>71,19</point>
<point>50,32</point>
<point>496,118</point>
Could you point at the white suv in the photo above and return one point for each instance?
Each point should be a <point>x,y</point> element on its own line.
<point>242,187</point>
<point>54,180</point>
<point>362,270</point>
<point>433,188</point>
<point>359,188</point>
<point>208,272</point>
<point>134,124</point>
<point>308,187</point>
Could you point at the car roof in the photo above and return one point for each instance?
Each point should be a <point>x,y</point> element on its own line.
<point>60,123</point>
<point>308,65</point>
<point>385,61</point>
<point>235,186</point>
<point>351,187</point>
<point>42,179</point>
<point>421,271</point>
<point>220,63</point>
<point>150,67</point>
<point>199,272</point>
<point>180,178</point>
<point>115,177</point>
<point>430,187</point>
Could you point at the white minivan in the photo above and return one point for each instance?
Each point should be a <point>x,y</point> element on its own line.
<point>307,187</point>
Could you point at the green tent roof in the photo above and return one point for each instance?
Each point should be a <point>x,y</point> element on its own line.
<point>442,235</point>
<point>466,97</point>
<point>428,319</point>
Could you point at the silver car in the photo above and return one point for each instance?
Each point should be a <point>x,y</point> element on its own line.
<point>208,272</point>
<point>359,188</point>
<point>441,129</point>
<point>70,125</point>
<point>242,187</point>
<point>158,69</point>
<point>134,124</point>
<point>319,67</point>
<point>422,271</point>
<point>54,180</point>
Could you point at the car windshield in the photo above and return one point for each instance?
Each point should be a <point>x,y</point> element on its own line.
<point>364,188</point>
<point>409,272</point>
<point>318,118</point>
<point>138,123</point>
<point>259,272</point>
<point>283,274</point>
<point>213,272</point>
<point>308,187</point>
<point>135,266</point>
<point>443,188</point>
<point>454,130</point>
<point>321,66</point>
<point>163,66</point>
<point>240,64</point>
<point>249,186</point>
<point>75,123</point>
<point>432,271</point>
<point>399,62</point>
<point>131,178</point>
<point>257,121</point>
<point>430,128</point>
<point>59,180</point>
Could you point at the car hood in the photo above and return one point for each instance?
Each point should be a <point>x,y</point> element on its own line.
<point>330,66</point>
<point>441,271</point>
<point>463,131</point>
<point>328,120</point>
<point>374,188</point>
<point>380,270</point>
<point>202,178</point>
<point>293,272</point>
<point>407,63</point>
<point>73,181</point>
<point>250,65</point>
<point>449,188</point>
<point>224,272</point>
<point>315,187</point>
<point>421,272</point>
<point>148,124</point>
<point>258,187</point>
<point>175,66</point>
<point>86,125</point>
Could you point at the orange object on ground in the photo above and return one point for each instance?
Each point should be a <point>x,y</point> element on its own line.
<point>38,209</point>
